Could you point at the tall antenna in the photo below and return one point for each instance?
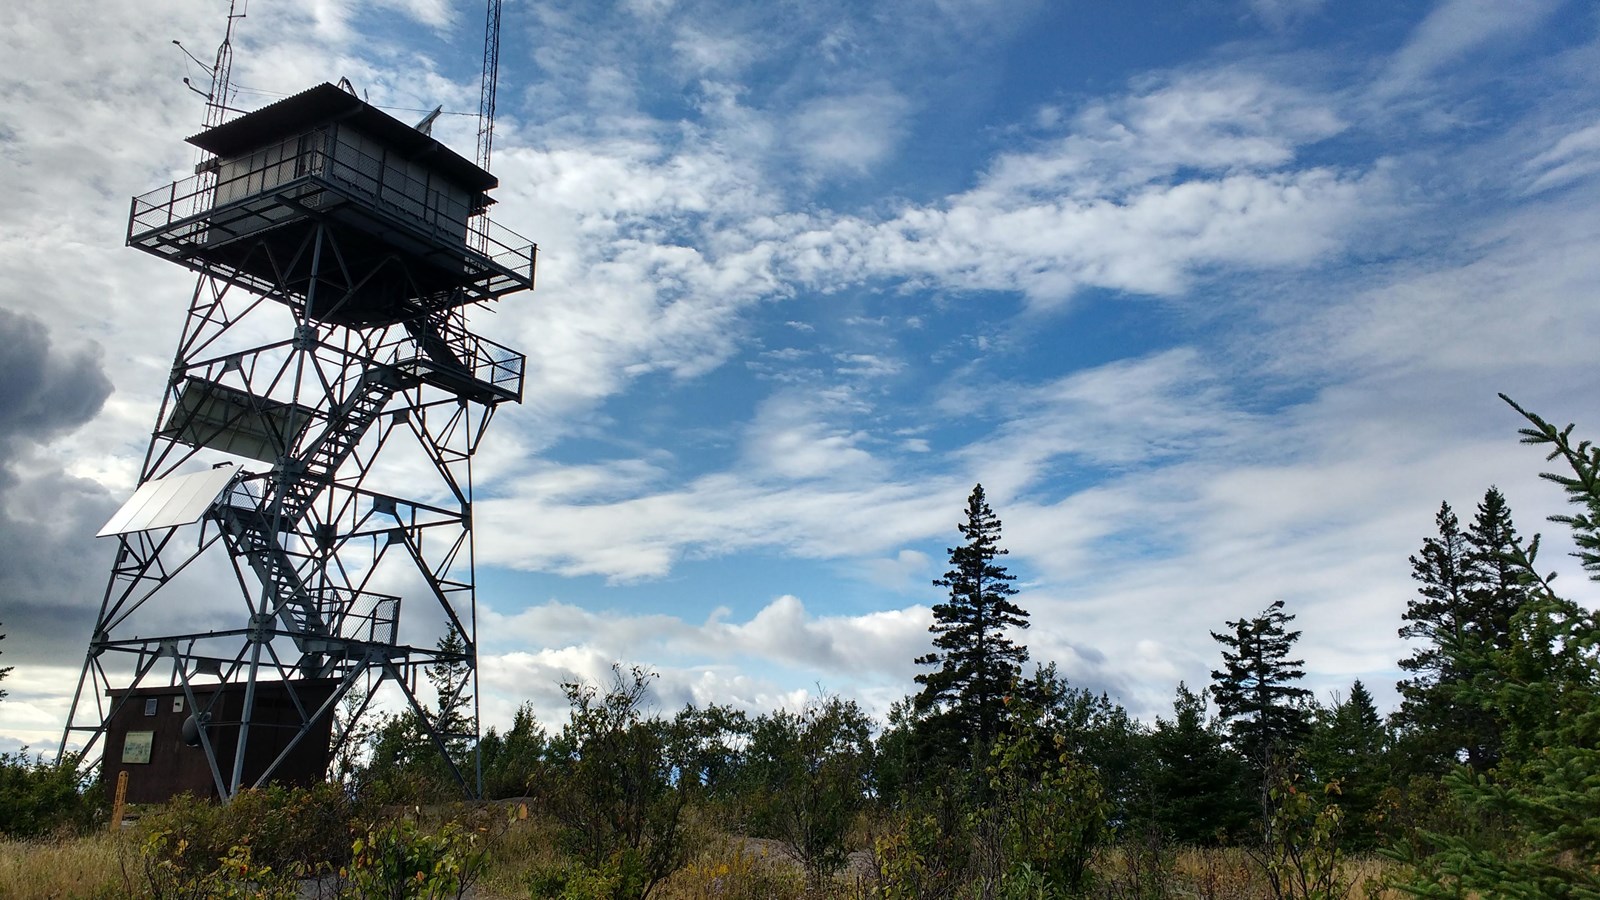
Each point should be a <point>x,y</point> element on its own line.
<point>491,77</point>
<point>222,70</point>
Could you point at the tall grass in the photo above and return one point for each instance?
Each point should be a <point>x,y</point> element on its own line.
<point>726,866</point>
<point>45,869</point>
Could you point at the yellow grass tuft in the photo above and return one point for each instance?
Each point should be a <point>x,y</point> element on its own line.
<point>76,867</point>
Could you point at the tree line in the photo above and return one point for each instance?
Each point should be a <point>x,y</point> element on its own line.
<point>997,774</point>
<point>997,777</point>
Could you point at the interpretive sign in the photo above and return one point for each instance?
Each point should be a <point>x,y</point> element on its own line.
<point>136,746</point>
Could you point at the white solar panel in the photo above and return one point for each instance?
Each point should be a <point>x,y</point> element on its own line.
<point>174,500</point>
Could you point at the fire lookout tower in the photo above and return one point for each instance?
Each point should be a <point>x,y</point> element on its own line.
<point>312,458</point>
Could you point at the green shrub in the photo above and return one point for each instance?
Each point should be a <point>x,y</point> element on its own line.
<point>401,861</point>
<point>613,792</point>
<point>39,798</point>
<point>170,870</point>
<point>304,831</point>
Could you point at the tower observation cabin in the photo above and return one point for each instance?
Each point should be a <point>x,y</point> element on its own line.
<point>407,210</point>
<point>316,437</point>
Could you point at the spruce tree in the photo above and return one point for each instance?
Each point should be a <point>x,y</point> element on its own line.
<point>1256,691</point>
<point>1545,677</point>
<point>1432,727</point>
<point>1196,782</point>
<point>1468,592</point>
<point>451,678</point>
<point>977,663</point>
<point>1346,754</point>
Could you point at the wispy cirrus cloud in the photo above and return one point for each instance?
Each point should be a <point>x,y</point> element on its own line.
<point>1456,28</point>
<point>1336,299</point>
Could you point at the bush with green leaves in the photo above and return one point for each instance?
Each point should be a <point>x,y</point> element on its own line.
<point>1032,828</point>
<point>171,868</point>
<point>304,831</point>
<point>1048,814</point>
<point>401,860</point>
<point>40,798</point>
<point>1301,831</point>
<point>613,786</point>
<point>807,777</point>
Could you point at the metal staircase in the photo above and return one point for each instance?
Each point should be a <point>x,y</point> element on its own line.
<point>251,537</point>
<point>313,468</point>
<point>254,531</point>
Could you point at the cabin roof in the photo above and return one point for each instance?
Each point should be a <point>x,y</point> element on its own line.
<point>325,104</point>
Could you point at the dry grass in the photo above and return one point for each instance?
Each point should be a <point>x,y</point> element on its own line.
<point>514,855</point>
<point>74,867</point>
<point>1230,874</point>
<point>726,867</point>
<point>737,869</point>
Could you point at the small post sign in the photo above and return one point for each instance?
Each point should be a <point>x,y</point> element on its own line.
<point>121,801</point>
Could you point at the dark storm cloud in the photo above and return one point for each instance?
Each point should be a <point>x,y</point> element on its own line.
<point>47,392</point>
<point>51,569</point>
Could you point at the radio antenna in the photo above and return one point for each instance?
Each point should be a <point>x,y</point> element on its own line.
<point>217,97</point>
<point>491,77</point>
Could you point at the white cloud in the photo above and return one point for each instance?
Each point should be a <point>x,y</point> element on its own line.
<point>791,439</point>
<point>712,54</point>
<point>1215,120</point>
<point>903,572</point>
<point>1576,155</point>
<point>717,660</point>
<point>850,133</point>
<point>1457,28</point>
<point>1154,241</point>
<point>1307,412</point>
<point>437,14</point>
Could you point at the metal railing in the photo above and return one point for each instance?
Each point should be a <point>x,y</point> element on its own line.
<point>483,360</point>
<point>189,209</point>
<point>372,618</point>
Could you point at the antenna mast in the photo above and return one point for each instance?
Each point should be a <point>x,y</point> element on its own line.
<point>222,70</point>
<point>491,77</point>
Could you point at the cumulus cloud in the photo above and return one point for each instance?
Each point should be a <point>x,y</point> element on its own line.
<point>716,660</point>
<point>47,516</point>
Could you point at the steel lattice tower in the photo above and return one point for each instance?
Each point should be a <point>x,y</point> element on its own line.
<point>309,477</point>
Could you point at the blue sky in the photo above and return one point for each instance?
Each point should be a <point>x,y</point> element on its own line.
<point>1213,297</point>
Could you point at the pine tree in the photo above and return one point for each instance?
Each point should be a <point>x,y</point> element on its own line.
<point>1496,590</point>
<point>451,677</point>
<point>1545,676</point>
<point>1434,728</point>
<point>977,663</point>
<point>1197,783</point>
<point>1469,592</point>
<point>1255,690</point>
<point>1345,753</point>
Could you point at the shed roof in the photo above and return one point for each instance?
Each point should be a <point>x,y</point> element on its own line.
<point>324,104</point>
